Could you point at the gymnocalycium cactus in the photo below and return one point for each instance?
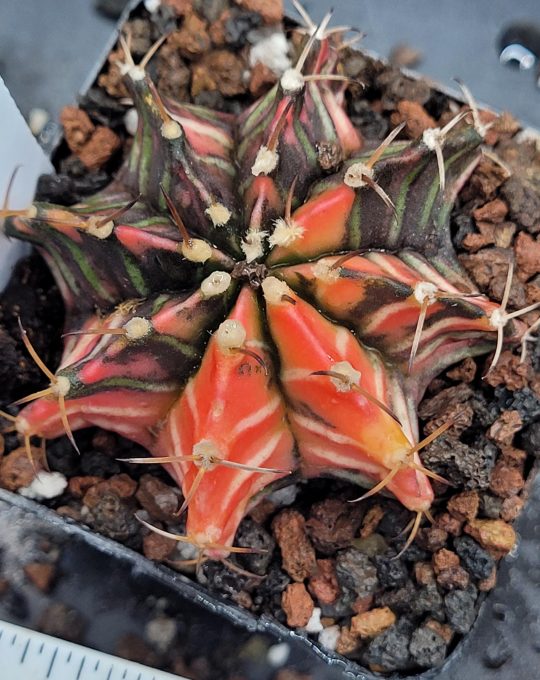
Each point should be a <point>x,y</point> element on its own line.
<point>256,296</point>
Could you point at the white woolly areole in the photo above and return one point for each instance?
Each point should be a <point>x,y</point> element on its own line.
<point>356,174</point>
<point>425,290</point>
<point>215,284</point>
<point>252,245</point>
<point>265,162</point>
<point>136,73</point>
<point>231,334</point>
<point>292,81</point>
<point>322,270</point>
<point>22,425</point>
<point>171,130</point>
<point>432,138</point>
<point>285,232</point>
<point>205,453</point>
<point>137,328</point>
<point>101,231</point>
<point>131,121</point>
<point>45,485</point>
<point>350,376</point>
<point>274,290</point>
<point>31,212</point>
<point>498,318</point>
<point>196,250</point>
<point>219,214</point>
<point>61,386</point>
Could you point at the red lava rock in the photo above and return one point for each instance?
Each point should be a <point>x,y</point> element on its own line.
<point>505,427</point>
<point>297,605</point>
<point>271,12</point>
<point>372,623</point>
<point>485,236</point>
<point>510,372</point>
<point>290,674</point>
<point>495,211</point>
<point>192,40</point>
<point>157,547</point>
<point>506,481</point>
<point>485,180</point>
<point>494,534</point>
<point>80,484</point>
<point>424,573</point>
<point>16,470</point>
<point>453,577</point>
<point>261,79</point>
<point>362,604</point>
<point>444,559</point>
<point>120,485</point>
<point>465,371</point>
<point>513,457</point>
<point>348,642</point>
<point>464,506</point>
<point>371,521</point>
<point>41,574</point>
<point>160,500</point>
<point>489,268</point>
<point>511,508</point>
<point>289,528</point>
<point>333,523</point>
<point>98,150</point>
<point>416,118</point>
<point>432,538</point>
<point>220,70</point>
<point>527,250</point>
<point>450,524</point>
<point>324,585</point>
<point>78,128</point>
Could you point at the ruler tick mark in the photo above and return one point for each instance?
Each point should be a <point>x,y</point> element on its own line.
<point>13,639</point>
<point>80,668</point>
<point>96,666</point>
<point>23,655</point>
<point>40,650</point>
<point>51,664</point>
<point>68,657</point>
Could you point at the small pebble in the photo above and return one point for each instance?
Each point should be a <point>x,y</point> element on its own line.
<point>328,638</point>
<point>278,655</point>
<point>45,485</point>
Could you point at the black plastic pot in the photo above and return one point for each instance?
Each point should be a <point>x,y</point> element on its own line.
<point>116,590</point>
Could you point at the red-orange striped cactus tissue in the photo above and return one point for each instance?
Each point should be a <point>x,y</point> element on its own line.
<point>259,295</point>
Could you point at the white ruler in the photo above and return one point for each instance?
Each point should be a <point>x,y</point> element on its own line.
<point>27,655</point>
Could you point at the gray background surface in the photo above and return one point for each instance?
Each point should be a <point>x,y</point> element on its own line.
<point>48,46</point>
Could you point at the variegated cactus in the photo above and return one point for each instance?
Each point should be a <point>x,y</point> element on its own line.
<point>258,296</point>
